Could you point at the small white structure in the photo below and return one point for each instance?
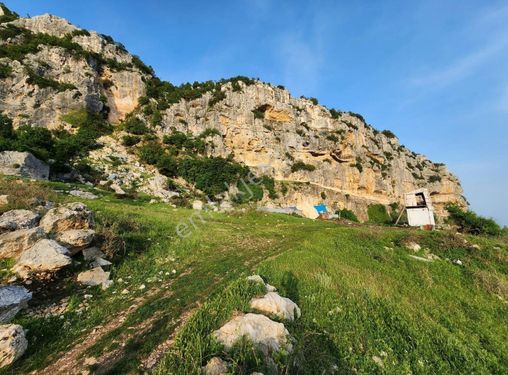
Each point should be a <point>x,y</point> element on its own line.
<point>419,208</point>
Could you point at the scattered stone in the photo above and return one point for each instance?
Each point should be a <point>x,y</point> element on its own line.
<point>100,262</point>
<point>458,262</point>
<point>475,246</point>
<point>225,206</point>
<point>95,276</point>
<point>76,239</point>
<point>197,205</point>
<point>18,219</point>
<point>4,200</point>
<point>379,361</point>
<point>125,291</point>
<point>142,287</point>
<point>69,216</point>
<point>23,164</point>
<point>91,253</point>
<point>12,244</point>
<point>215,366</point>
<point>411,245</point>
<point>83,194</point>
<point>421,259</point>
<point>12,300</point>
<point>46,256</point>
<point>273,303</point>
<point>117,189</point>
<point>262,331</point>
<point>12,343</point>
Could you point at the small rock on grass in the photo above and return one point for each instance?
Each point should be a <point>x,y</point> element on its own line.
<point>93,277</point>
<point>215,366</point>
<point>18,219</point>
<point>12,343</point>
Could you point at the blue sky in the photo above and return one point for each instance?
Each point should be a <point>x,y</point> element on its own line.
<point>433,72</point>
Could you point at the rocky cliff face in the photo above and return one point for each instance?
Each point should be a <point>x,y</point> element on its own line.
<point>352,163</point>
<point>315,155</point>
<point>71,69</point>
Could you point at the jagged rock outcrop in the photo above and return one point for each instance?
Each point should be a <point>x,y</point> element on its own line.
<point>103,75</point>
<point>354,164</point>
<point>12,300</point>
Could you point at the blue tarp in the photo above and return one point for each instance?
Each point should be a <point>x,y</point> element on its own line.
<point>321,209</point>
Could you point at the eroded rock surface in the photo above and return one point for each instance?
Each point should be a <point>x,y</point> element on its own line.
<point>18,219</point>
<point>12,244</point>
<point>272,303</point>
<point>69,216</point>
<point>12,343</point>
<point>23,164</point>
<point>46,256</point>
<point>12,300</point>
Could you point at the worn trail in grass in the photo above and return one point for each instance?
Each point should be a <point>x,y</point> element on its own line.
<point>120,331</point>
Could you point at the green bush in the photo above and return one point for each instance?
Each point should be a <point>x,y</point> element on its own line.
<point>301,166</point>
<point>130,140</point>
<point>470,222</point>
<point>187,142</point>
<point>388,134</point>
<point>347,215</point>
<point>42,82</point>
<point>248,193</point>
<point>332,138</point>
<point>211,175</point>
<point>269,184</point>
<point>377,214</point>
<point>335,114</point>
<point>134,125</point>
<point>217,96</point>
<point>5,71</point>
<point>150,153</point>
<point>167,165</point>
<point>434,178</point>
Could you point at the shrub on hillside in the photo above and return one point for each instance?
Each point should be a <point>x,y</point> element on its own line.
<point>134,125</point>
<point>301,166</point>
<point>388,133</point>
<point>347,215</point>
<point>470,222</point>
<point>150,153</point>
<point>378,215</point>
<point>130,140</point>
<point>434,178</point>
<point>211,175</point>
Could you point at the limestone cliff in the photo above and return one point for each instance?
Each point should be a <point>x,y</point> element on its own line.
<point>317,155</point>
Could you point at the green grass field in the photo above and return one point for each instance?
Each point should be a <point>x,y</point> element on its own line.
<point>367,306</point>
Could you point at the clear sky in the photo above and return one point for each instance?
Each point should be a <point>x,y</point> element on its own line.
<point>435,72</point>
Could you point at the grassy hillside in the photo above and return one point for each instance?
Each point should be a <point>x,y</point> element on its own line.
<point>367,306</point>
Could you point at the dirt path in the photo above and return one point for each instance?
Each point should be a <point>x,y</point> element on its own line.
<point>69,362</point>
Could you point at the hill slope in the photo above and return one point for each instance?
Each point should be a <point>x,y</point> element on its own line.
<point>367,304</point>
<point>50,68</point>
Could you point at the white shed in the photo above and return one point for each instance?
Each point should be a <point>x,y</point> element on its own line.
<point>420,211</point>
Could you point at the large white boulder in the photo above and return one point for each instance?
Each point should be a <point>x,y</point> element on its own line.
<point>262,331</point>
<point>18,219</point>
<point>76,239</point>
<point>46,256</point>
<point>12,343</point>
<point>69,216</point>
<point>272,303</point>
<point>12,300</point>
<point>23,164</point>
<point>12,244</point>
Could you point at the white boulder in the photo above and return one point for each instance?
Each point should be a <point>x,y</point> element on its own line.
<point>260,330</point>
<point>411,245</point>
<point>18,219</point>
<point>272,303</point>
<point>69,216</point>
<point>12,244</point>
<point>46,256</point>
<point>12,300</point>
<point>12,343</point>
<point>197,205</point>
